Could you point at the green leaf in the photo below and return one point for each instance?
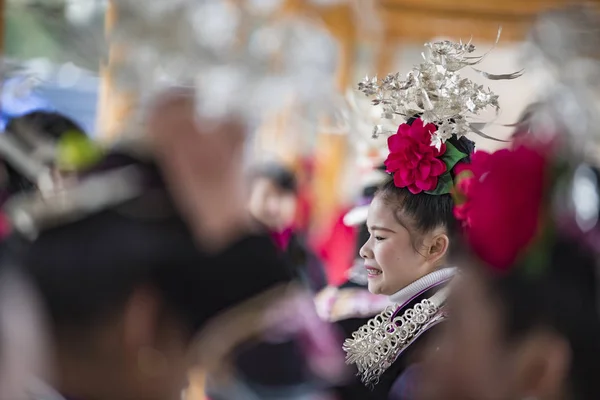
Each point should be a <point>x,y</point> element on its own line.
<point>76,151</point>
<point>451,156</point>
<point>444,185</point>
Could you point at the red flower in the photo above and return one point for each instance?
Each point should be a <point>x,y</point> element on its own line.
<point>466,176</point>
<point>504,204</point>
<point>413,160</point>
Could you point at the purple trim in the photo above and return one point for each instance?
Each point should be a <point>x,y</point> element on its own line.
<point>364,201</point>
<point>441,316</point>
<point>395,314</point>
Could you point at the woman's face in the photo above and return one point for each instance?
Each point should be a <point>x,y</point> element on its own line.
<point>390,258</point>
<point>271,205</point>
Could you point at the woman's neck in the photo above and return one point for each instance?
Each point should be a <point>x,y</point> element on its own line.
<point>422,285</point>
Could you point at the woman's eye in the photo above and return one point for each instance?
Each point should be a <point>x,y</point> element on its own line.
<point>379,238</point>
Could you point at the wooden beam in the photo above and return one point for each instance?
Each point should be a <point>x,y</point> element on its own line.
<point>115,106</point>
<point>420,20</point>
<point>505,9</point>
<point>412,25</point>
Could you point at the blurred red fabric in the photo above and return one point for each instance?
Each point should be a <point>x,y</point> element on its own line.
<point>335,245</point>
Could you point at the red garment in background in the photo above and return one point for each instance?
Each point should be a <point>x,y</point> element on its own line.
<point>335,245</point>
<point>4,226</point>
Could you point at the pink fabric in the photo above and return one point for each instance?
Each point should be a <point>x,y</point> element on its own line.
<point>4,226</point>
<point>282,239</point>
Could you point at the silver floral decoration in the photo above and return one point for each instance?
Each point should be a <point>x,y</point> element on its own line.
<point>435,90</point>
<point>239,57</point>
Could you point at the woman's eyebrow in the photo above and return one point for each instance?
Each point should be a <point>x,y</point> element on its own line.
<point>381,228</point>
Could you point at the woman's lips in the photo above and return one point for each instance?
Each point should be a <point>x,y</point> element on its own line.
<point>373,272</point>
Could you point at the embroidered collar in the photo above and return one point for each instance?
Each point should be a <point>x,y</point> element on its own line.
<point>422,285</point>
<point>378,344</point>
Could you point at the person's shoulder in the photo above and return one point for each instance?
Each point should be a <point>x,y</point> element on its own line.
<point>340,303</point>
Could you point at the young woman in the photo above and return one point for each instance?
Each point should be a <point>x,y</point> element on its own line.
<point>350,305</point>
<point>410,221</point>
<point>525,313</point>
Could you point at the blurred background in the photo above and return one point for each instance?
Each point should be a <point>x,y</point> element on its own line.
<point>62,43</point>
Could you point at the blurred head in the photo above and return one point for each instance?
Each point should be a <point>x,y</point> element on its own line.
<point>525,318</point>
<point>126,289</point>
<point>409,235</point>
<point>273,196</point>
<point>37,134</point>
<point>516,336</point>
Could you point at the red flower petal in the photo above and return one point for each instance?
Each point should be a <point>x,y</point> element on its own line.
<point>427,184</point>
<point>437,167</point>
<point>414,189</point>
<point>424,169</point>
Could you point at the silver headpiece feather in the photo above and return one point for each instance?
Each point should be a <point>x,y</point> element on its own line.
<point>435,90</point>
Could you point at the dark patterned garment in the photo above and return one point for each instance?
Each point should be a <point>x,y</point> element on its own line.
<point>417,310</point>
<point>349,307</point>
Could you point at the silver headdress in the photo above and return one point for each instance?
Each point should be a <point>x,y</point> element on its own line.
<point>435,90</point>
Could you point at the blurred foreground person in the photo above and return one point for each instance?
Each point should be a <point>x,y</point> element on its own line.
<point>526,317</point>
<point>140,282</point>
<point>273,202</point>
<point>126,286</point>
<point>23,336</point>
<point>525,312</point>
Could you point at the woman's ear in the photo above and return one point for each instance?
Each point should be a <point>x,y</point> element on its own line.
<point>543,360</point>
<point>437,247</point>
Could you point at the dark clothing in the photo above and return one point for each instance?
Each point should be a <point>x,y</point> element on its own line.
<point>303,263</point>
<point>273,369</point>
<point>398,380</point>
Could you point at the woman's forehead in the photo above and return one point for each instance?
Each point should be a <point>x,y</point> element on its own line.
<point>385,214</point>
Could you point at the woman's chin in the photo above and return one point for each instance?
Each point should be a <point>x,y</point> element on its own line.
<point>376,286</point>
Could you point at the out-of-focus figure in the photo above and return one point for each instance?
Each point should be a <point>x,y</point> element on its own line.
<point>273,202</point>
<point>24,355</point>
<point>142,282</point>
<point>525,312</point>
<point>126,286</point>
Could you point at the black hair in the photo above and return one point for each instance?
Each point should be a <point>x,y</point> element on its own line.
<point>86,270</point>
<point>427,211</point>
<point>563,297</point>
<point>51,124</point>
<point>282,177</point>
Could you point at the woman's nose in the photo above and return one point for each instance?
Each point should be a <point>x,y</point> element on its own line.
<point>365,251</point>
